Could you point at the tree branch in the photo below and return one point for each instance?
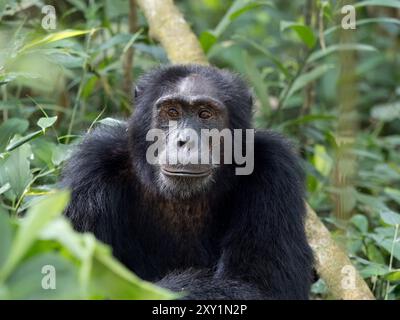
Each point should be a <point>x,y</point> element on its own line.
<point>128,58</point>
<point>168,26</point>
<point>332,263</point>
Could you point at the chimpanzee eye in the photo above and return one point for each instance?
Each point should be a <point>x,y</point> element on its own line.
<point>173,113</point>
<point>205,114</point>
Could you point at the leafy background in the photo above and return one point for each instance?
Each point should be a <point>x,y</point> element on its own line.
<point>335,93</point>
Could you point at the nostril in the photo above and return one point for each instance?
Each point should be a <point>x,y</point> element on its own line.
<point>181,143</point>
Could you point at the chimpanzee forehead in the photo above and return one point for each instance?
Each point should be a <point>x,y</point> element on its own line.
<point>196,85</point>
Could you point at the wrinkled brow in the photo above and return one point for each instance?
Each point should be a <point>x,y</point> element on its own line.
<point>193,100</point>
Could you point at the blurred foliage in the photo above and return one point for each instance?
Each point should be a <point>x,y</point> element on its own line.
<point>334,92</point>
<point>84,268</point>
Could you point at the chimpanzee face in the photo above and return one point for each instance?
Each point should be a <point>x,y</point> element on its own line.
<point>188,127</point>
<point>188,116</point>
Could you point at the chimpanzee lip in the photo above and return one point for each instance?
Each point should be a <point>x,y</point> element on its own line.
<point>185,173</point>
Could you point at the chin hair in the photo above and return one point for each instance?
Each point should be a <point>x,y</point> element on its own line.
<point>183,187</point>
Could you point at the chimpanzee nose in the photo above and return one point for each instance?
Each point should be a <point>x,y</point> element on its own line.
<point>181,143</point>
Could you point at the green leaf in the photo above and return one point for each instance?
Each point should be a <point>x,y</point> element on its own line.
<point>339,47</point>
<point>379,3</point>
<point>10,128</point>
<point>374,254</point>
<point>16,170</point>
<point>37,217</point>
<point>373,202</point>
<point>5,238</point>
<point>104,276</point>
<point>322,161</point>
<point>43,151</point>
<point>394,194</point>
<point>53,37</point>
<point>113,8</point>
<point>305,33</point>
<point>230,15</point>
<point>207,40</point>
<point>5,188</point>
<point>257,81</point>
<point>120,38</point>
<point>131,41</point>
<point>226,20</point>
<point>238,7</point>
<point>390,217</point>
<point>60,153</point>
<point>374,269</point>
<point>264,51</point>
<point>319,287</point>
<point>26,280</point>
<point>393,276</point>
<point>60,230</point>
<point>365,21</point>
<point>387,244</point>
<point>252,5</point>
<point>19,142</point>
<point>46,122</point>
<point>111,279</point>
<point>361,222</point>
<point>308,77</point>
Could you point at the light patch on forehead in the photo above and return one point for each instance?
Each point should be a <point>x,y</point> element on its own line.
<point>195,85</point>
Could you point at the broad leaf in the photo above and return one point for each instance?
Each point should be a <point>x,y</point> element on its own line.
<point>46,122</point>
<point>361,222</point>
<point>28,281</point>
<point>10,128</point>
<point>17,170</point>
<point>394,194</point>
<point>37,217</point>
<point>390,217</point>
<point>308,77</point>
<point>393,276</point>
<point>101,275</point>
<point>305,33</point>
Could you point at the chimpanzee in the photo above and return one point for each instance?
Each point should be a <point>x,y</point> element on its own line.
<point>204,228</point>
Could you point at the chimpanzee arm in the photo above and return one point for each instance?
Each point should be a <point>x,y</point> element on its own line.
<point>94,174</point>
<point>266,244</point>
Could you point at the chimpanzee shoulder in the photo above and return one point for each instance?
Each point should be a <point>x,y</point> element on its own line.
<point>103,153</point>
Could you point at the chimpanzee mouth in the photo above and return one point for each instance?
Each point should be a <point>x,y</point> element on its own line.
<point>185,173</point>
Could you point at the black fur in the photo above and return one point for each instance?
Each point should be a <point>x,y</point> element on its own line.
<point>243,239</point>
